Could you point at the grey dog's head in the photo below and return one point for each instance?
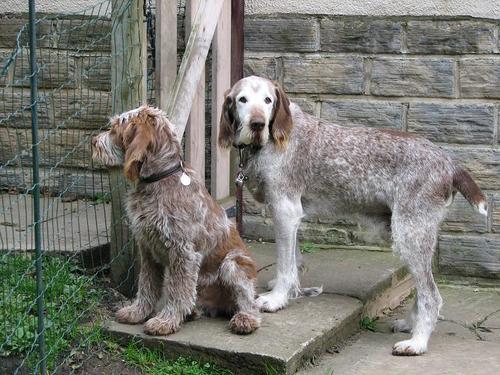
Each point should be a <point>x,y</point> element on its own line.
<point>255,111</point>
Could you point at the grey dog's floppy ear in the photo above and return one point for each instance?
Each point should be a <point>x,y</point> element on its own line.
<point>226,127</point>
<point>282,119</point>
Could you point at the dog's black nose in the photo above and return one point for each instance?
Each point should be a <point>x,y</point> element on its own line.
<point>257,125</point>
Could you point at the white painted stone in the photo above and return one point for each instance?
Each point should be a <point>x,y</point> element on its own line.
<point>475,8</point>
<point>51,6</point>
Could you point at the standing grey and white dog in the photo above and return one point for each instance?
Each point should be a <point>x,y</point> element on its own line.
<point>190,252</point>
<point>300,164</point>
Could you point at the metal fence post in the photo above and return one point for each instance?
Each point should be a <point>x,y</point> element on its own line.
<point>36,189</point>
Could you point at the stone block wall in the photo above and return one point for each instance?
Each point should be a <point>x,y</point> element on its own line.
<point>74,58</point>
<point>436,77</point>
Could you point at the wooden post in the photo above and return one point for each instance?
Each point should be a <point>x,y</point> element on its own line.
<point>195,128</point>
<point>237,39</point>
<point>193,63</point>
<point>128,82</point>
<point>237,61</point>
<point>166,50</point>
<point>221,81</point>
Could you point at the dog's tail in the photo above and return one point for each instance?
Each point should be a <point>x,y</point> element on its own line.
<point>463,182</point>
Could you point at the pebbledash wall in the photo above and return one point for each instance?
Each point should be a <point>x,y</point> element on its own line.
<point>425,67</point>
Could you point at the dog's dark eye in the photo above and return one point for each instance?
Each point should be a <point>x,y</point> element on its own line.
<point>268,100</point>
<point>242,99</point>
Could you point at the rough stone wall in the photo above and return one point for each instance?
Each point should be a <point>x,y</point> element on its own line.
<point>74,57</point>
<point>436,77</point>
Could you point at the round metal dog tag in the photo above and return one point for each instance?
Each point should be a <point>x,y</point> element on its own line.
<point>185,179</point>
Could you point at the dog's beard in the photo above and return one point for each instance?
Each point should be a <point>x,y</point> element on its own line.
<point>247,136</point>
<point>106,152</point>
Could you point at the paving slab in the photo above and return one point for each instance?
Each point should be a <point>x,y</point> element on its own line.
<point>469,305</point>
<point>466,341</point>
<point>308,326</point>
<point>352,280</point>
<point>371,355</point>
<point>67,226</point>
<point>468,312</point>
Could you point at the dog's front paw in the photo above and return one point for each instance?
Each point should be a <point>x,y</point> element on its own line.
<point>272,301</point>
<point>409,347</point>
<point>160,327</point>
<point>401,325</point>
<point>131,314</point>
<point>244,323</point>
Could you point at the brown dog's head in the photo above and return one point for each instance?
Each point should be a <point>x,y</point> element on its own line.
<point>135,136</point>
<point>255,111</point>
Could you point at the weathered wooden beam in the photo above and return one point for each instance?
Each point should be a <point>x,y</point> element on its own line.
<point>128,83</point>
<point>237,39</point>
<point>237,58</point>
<point>195,128</point>
<point>166,50</point>
<point>221,81</point>
<point>193,63</point>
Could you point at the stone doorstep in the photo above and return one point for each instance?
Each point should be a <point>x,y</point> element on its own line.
<point>355,283</point>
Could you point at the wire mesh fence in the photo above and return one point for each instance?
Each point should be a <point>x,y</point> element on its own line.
<point>79,87</point>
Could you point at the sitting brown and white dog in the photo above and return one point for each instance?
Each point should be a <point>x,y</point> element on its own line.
<point>189,249</point>
<point>301,164</point>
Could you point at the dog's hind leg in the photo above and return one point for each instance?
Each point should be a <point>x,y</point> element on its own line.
<point>148,292</point>
<point>406,325</point>
<point>287,214</point>
<point>237,273</point>
<point>415,239</point>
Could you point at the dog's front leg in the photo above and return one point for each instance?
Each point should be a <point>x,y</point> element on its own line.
<point>287,214</point>
<point>148,290</point>
<point>179,291</point>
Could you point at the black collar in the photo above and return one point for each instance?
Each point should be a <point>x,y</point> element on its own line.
<point>158,176</point>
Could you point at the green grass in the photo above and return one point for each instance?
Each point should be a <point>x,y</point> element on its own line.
<point>70,299</point>
<point>270,369</point>
<point>154,362</point>
<point>71,306</point>
<point>102,198</point>
<point>308,247</point>
<point>368,323</point>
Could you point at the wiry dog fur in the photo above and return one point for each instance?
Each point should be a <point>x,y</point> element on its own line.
<point>188,246</point>
<point>300,164</point>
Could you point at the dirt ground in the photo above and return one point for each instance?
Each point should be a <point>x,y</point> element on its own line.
<point>94,362</point>
<point>8,365</point>
<point>98,362</point>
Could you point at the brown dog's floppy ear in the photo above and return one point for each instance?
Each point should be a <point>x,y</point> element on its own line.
<point>140,137</point>
<point>226,128</point>
<point>282,119</point>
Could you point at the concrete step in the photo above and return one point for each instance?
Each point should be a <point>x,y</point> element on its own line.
<point>356,283</point>
<point>376,278</point>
